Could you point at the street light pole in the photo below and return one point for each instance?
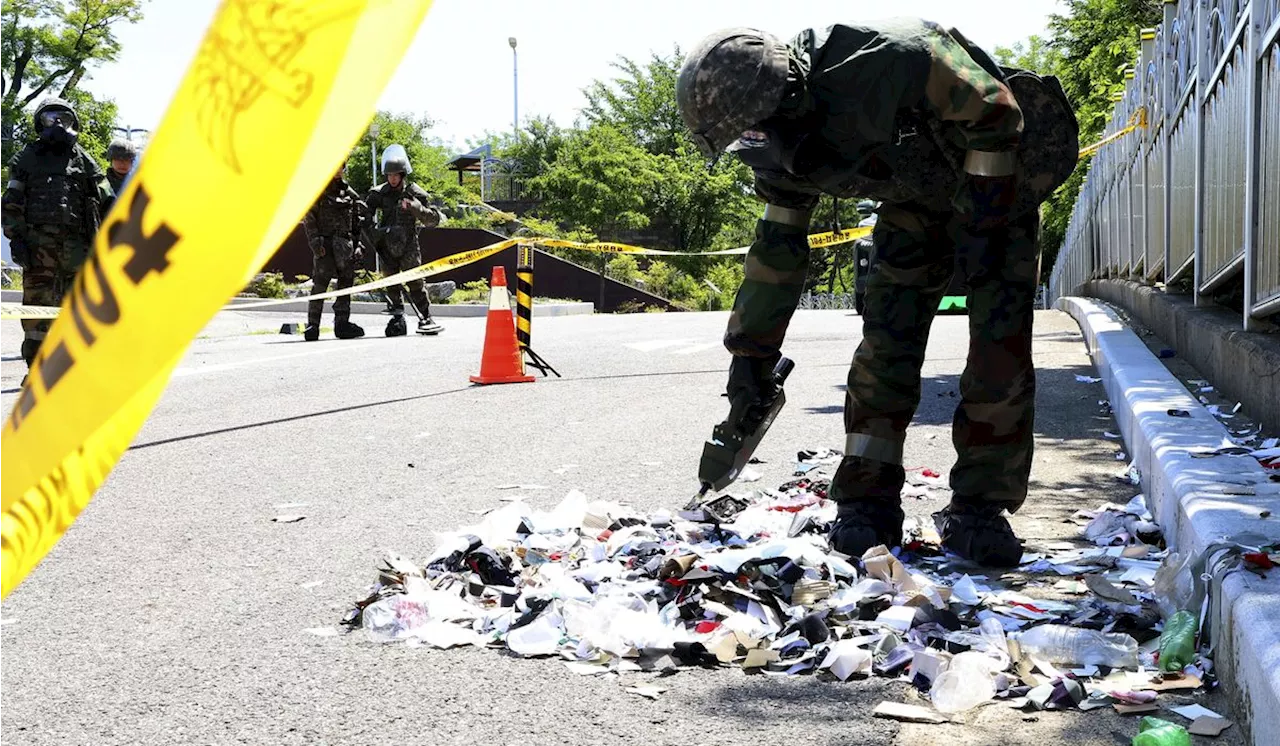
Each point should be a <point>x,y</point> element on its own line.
<point>373,152</point>
<point>515,89</point>
<point>128,131</point>
<point>373,167</point>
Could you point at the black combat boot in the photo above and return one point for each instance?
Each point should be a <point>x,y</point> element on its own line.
<point>428,325</point>
<point>29,349</point>
<point>344,329</point>
<point>979,533</point>
<point>396,326</point>
<point>311,333</point>
<point>866,523</point>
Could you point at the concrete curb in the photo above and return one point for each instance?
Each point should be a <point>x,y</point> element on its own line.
<point>1192,501</point>
<point>1242,365</point>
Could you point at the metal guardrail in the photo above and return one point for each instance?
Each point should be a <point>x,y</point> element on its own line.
<point>1196,193</point>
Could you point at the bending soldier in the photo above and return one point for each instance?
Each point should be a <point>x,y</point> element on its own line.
<point>961,153</point>
<point>52,208</point>
<point>400,206</point>
<point>333,231</point>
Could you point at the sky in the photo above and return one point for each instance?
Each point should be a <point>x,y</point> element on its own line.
<point>459,69</point>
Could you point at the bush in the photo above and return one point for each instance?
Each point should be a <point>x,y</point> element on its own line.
<point>267,285</point>
<point>624,268</point>
<point>476,291</point>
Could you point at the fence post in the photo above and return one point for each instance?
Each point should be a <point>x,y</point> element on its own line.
<point>1169,91</point>
<point>1148,38</point>
<point>1252,158</point>
<point>1204,68</point>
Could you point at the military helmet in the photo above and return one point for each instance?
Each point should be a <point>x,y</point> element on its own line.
<point>121,150</point>
<point>731,80</point>
<point>52,106</point>
<point>396,161</point>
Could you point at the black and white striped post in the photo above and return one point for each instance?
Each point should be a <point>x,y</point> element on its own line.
<point>524,309</point>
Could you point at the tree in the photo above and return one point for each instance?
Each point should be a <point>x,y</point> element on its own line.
<point>48,46</point>
<point>1088,50</point>
<point>691,203</point>
<point>535,150</point>
<point>641,102</point>
<point>599,182</point>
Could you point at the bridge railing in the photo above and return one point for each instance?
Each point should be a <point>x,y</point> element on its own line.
<point>1194,192</point>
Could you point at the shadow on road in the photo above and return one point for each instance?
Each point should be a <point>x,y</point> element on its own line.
<point>296,417</point>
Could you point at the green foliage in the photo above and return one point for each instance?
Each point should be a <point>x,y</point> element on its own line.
<point>641,102</point>
<point>726,276</point>
<point>1088,49</point>
<point>537,148</point>
<point>599,182</point>
<point>267,285</point>
<point>624,268</point>
<point>485,220</point>
<point>476,291</point>
<point>691,204</point>
<point>46,48</point>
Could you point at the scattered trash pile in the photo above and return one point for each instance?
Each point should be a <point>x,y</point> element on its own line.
<point>748,581</point>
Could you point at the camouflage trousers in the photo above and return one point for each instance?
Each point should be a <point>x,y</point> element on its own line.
<point>46,279</point>
<point>406,260</point>
<point>916,253</point>
<point>335,258</point>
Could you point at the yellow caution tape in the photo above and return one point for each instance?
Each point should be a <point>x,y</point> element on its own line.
<point>833,238</point>
<point>816,240</point>
<point>169,254</point>
<point>1137,121</point>
<point>454,261</point>
<point>19,311</point>
<point>436,267</point>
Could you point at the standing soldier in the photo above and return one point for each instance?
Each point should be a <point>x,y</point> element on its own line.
<point>52,207</point>
<point>400,205</point>
<point>333,231</point>
<point>122,154</point>
<point>961,153</point>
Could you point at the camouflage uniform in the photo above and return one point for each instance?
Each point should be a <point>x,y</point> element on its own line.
<point>914,116</point>
<point>396,234</point>
<point>52,207</point>
<point>333,229</point>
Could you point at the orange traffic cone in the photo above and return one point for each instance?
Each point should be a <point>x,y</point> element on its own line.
<point>501,361</point>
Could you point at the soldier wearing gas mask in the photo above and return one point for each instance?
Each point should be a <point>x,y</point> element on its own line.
<point>960,152</point>
<point>400,206</point>
<point>333,231</point>
<point>52,207</point>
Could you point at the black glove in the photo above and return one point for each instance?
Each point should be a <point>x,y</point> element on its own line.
<point>21,253</point>
<point>751,389</point>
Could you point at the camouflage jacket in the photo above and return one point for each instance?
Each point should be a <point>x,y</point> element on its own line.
<point>64,193</point>
<point>338,211</point>
<point>886,112</point>
<point>397,228</point>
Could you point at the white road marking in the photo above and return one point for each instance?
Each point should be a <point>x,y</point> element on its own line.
<point>219,367</point>
<point>657,344</point>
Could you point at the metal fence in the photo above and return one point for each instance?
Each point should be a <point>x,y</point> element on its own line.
<point>1195,193</point>
<point>826,301</point>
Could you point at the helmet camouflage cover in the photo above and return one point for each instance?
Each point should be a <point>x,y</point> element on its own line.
<point>731,80</point>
